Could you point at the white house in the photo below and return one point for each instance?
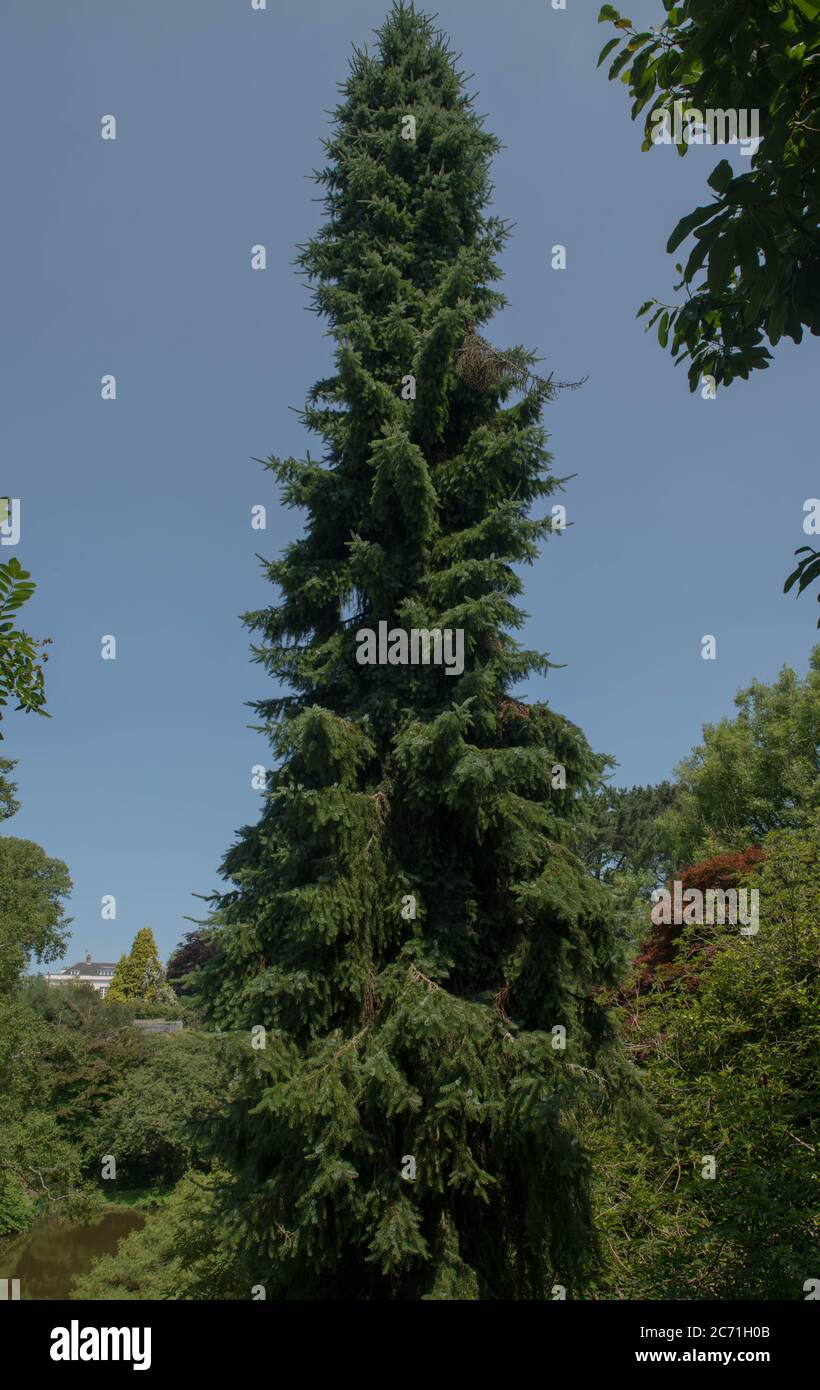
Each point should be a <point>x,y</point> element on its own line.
<point>97,973</point>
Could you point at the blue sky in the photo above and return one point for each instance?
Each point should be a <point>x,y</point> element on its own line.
<point>133,257</point>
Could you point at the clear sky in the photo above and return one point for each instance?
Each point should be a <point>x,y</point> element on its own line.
<point>132,257</point>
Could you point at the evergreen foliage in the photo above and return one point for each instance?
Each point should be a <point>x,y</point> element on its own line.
<point>622,833</point>
<point>408,919</point>
<point>140,974</point>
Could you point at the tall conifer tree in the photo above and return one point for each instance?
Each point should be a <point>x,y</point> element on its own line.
<point>407,921</point>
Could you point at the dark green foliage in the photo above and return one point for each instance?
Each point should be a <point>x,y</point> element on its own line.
<point>148,1124</point>
<point>621,839</point>
<point>78,1082</point>
<point>754,270</point>
<point>408,919</point>
<point>622,833</point>
<point>87,1047</point>
<point>806,572</point>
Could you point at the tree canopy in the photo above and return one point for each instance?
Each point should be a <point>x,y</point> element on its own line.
<point>752,275</point>
<point>752,774</point>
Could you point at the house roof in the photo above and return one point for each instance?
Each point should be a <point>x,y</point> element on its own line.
<point>90,967</point>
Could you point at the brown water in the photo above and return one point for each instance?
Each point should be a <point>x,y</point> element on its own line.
<point>48,1258</point>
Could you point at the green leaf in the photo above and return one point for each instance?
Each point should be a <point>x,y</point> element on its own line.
<point>620,62</point>
<point>607,48</point>
<point>807,570</point>
<point>688,223</point>
<point>721,176</point>
<point>776,321</point>
<point>721,262</point>
<point>810,573</point>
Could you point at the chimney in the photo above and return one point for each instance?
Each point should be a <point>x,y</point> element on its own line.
<point>87,957</point>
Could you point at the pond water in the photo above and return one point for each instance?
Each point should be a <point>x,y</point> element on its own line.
<point>47,1258</point>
